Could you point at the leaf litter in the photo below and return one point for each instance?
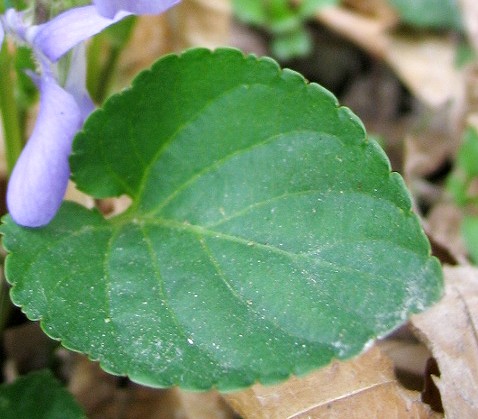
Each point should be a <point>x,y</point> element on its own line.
<point>365,386</point>
<point>449,329</point>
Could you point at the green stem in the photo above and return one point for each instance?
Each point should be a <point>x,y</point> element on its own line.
<point>107,74</point>
<point>12,134</point>
<point>100,77</point>
<point>94,66</point>
<point>103,57</point>
<point>9,111</point>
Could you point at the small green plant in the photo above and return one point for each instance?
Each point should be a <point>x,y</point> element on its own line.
<point>38,395</point>
<point>463,186</point>
<point>285,20</point>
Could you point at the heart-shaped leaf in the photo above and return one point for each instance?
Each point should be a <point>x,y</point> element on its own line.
<point>266,234</point>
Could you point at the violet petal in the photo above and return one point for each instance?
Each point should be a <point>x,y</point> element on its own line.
<point>109,8</point>
<point>75,83</point>
<point>14,24</point>
<point>40,177</point>
<point>68,29</point>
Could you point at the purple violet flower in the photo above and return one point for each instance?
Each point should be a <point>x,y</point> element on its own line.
<point>38,182</point>
<point>109,8</point>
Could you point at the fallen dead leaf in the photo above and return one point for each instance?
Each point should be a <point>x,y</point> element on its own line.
<point>205,23</point>
<point>150,40</point>
<point>426,151</point>
<point>210,405</point>
<point>470,16</point>
<point>470,95</point>
<point>104,396</point>
<point>379,9</point>
<point>364,387</point>
<point>449,329</point>
<point>192,23</point>
<point>368,32</point>
<point>409,356</point>
<point>443,225</point>
<point>413,57</point>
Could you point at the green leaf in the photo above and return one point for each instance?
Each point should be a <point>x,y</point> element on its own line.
<point>250,11</point>
<point>292,44</point>
<point>457,185</point>
<point>469,230</point>
<point>430,13</point>
<point>459,181</point>
<point>465,54</point>
<point>16,4</point>
<point>467,158</point>
<point>277,15</point>
<point>266,236</point>
<point>38,395</point>
<point>307,8</point>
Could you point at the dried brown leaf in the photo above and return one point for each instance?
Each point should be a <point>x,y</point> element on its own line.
<point>408,355</point>
<point>210,405</point>
<point>381,9</point>
<point>151,39</point>
<point>470,95</point>
<point>413,57</point>
<point>443,224</point>
<point>368,32</point>
<point>205,23</point>
<point>470,17</point>
<point>362,387</point>
<point>103,398</point>
<point>450,331</point>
